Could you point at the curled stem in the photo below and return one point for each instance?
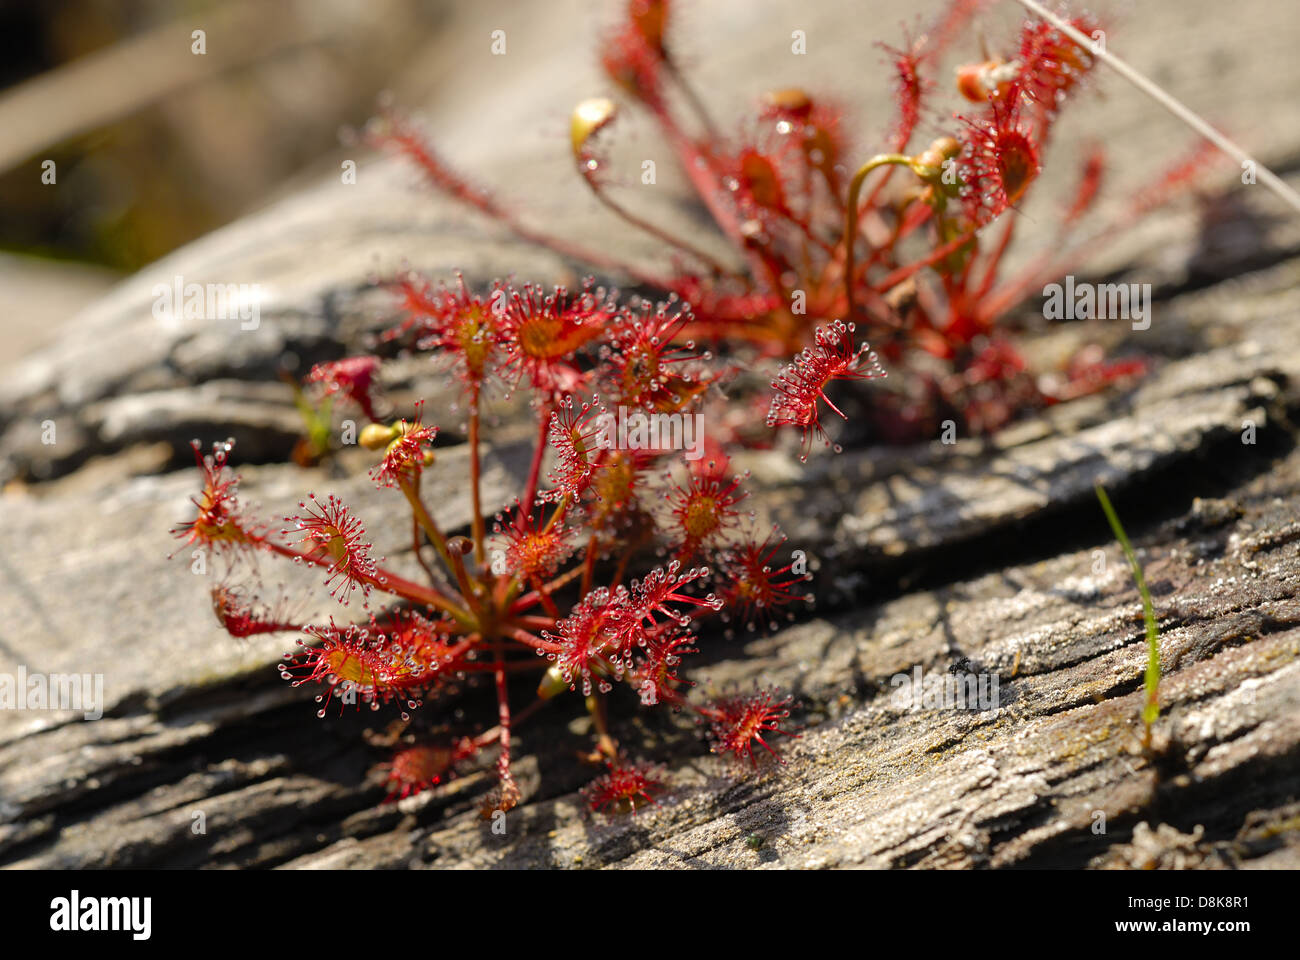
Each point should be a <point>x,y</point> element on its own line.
<point>851,216</point>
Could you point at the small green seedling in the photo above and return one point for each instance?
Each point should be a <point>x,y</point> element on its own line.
<point>314,445</point>
<point>1151,709</point>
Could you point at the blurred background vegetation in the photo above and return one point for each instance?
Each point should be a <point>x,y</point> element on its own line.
<point>155,145</point>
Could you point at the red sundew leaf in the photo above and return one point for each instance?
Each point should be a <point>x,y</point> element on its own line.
<point>625,786</point>
<point>801,385</point>
<point>1090,179</point>
<point>644,366</point>
<point>654,677</point>
<point>422,652</point>
<point>998,163</point>
<point>220,525</point>
<point>404,457</point>
<point>817,127</point>
<point>574,435</point>
<point>755,585</point>
<point>244,617</point>
<point>909,90</point>
<point>739,721</point>
<point>542,332</point>
<point>415,769</point>
<point>655,594</point>
<point>618,481</point>
<point>704,507</point>
<point>533,549</point>
<point>635,63</point>
<point>587,638</point>
<point>419,767</point>
<point>396,658</point>
<point>1050,63</point>
<point>333,535</point>
<point>351,379</point>
<point>460,325</point>
<point>349,660</point>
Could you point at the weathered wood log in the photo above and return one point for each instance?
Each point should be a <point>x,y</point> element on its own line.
<point>988,557</point>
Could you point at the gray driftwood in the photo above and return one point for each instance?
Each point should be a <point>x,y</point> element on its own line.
<point>987,556</point>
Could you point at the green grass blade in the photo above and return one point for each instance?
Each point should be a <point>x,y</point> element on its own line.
<point>1152,681</point>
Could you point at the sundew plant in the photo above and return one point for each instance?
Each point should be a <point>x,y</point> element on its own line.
<point>624,552</point>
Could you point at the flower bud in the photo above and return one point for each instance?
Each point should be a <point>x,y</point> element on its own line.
<point>978,82</point>
<point>969,84</point>
<point>553,684</point>
<point>934,156</point>
<point>791,101</point>
<point>376,436</point>
<point>589,117</point>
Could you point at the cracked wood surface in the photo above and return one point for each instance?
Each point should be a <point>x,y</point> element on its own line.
<point>986,551</point>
